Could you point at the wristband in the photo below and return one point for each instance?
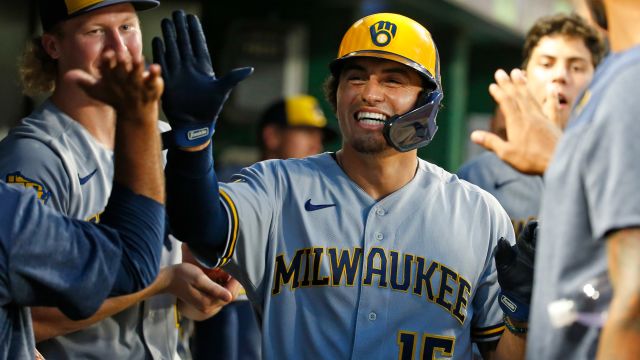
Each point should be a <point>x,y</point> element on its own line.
<point>513,328</point>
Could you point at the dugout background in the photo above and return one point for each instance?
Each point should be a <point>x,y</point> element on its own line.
<point>290,43</point>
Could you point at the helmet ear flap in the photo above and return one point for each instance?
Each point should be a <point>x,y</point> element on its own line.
<point>417,127</point>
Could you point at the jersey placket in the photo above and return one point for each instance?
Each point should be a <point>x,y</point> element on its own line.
<point>374,301</point>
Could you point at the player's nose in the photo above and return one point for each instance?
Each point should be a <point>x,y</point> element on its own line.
<point>560,73</point>
<point>115,41</point>
<point>372,92</point>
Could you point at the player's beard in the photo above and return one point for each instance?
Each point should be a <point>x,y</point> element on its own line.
<point>373,143</point>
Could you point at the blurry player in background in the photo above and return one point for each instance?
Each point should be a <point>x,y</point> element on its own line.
<point>560,56</point>
<point>294,127</point>
<point>591,205</point>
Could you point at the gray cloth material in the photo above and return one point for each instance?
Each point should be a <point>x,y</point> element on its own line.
<point>519,194</point>
<point>591,190</point>
<point>51,151</point>
<point>308,209</point>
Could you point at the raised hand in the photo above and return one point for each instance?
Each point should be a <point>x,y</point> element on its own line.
<point>531,135</point>
<point>194,96</point>
<point>123,84</point>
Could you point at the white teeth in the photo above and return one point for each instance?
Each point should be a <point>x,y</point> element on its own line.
<point>370,122</point>
<point>371,117</point>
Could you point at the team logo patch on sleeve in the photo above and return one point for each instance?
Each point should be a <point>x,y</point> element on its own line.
<point>41,191</point>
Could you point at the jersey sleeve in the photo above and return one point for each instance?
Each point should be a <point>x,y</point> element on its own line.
<point>487,324</point>
<point>611,170</point>
<point>33,165</point>
<point>75,275</point>
<point>250,203</point>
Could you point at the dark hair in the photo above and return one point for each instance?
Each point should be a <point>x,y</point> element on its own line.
<point>567,25</point>
<point>330,88</point>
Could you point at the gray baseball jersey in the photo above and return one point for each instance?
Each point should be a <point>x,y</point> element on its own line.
<point>520,195</point>
<point>338,275</point>
<point>73,173</point>
<point>591,189</point>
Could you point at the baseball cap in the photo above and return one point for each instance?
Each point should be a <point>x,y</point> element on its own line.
<point>298,111</point>
<point>54,11</point>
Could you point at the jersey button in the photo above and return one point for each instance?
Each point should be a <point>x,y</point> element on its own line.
<point>379,236</point>
<point>373,316</point>
<point>380,212</point>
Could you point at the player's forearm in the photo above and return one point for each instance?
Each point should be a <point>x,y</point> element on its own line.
<point>510,346</point>
<point>50,322</point>
<point>619,339</point>
<point>139,222</point>
<point>621,332</point>
<point>138,160</point>
<point>193,202</point>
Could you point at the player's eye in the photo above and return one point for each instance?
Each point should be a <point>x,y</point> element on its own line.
<point>546,64</point>
<point>97,31</point>
<point>579,68</point>
<point>127,27</point>
<point>394,81</point>
<point>354,77</point>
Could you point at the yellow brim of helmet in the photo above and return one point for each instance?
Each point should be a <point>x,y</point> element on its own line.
<point>336,65</point>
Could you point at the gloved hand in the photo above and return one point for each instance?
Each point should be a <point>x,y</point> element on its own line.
<point>515,272</point>
<point>193,96</point>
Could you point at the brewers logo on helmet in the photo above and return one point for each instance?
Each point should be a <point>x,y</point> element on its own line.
<point>398,38</point>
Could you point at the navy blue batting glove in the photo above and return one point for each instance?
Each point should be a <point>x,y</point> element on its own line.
<point>515,272</point>
<point>193,97</point>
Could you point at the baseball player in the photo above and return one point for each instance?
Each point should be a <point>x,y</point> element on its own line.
<point>591,207</point>
<point>51,260</point>
<point>366,253</point>
<point>560,55</point>
<point>64,149</point>
<point>293,127</point>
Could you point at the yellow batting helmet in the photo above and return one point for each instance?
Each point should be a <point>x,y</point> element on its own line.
<point>398,38</point>
<point>392,37</point>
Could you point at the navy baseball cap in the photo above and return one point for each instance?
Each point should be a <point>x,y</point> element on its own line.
<point>54,11</point>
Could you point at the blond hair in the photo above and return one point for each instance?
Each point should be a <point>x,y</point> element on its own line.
<point>37,69</point>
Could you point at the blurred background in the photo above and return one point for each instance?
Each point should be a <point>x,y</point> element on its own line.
<point>291,42</point>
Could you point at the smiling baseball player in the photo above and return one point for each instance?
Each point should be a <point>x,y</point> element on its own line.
<point>368,253</point>
<point>47,259</point>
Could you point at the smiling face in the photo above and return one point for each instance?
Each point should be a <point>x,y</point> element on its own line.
<point>370,91</point>
<point>83,39</point>
<point>559,64</point>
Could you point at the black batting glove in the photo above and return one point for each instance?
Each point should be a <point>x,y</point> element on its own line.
<point>515,272</point>
<point>193,97</point>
